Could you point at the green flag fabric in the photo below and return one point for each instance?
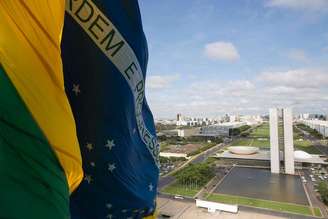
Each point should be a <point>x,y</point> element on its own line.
<point>32,182</point>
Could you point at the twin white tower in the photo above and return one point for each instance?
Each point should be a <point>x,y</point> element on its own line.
<point>281,136</point>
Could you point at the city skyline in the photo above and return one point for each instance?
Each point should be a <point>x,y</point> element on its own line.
<point>210,58</point>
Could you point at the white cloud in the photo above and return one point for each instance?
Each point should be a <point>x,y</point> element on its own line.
<point>298,55</point>
<point>313,5</point>
<point>238,88</point>
<point>296,78</point>
<point>160,81</point>
<point>221,51</point>
<point>281,90</point>
<point>303,89</point>
<point>240,85</point>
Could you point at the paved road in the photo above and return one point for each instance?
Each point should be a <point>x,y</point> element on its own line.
<point>168,179</point>
<point>171,197</point>
<point>256,212</point>
<point>203,156</point>
<point>312,194</point>
<point>165,180</point>
<point>309,185</point>
<point>316,142</point>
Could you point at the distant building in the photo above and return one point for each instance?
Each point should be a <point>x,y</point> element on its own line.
<point>180,120</point>
<point>319,125</point>
<point>179,117</point>
<point>190,121</point>
<point>305,116</point>
<point>232,118</point>
<point>226,118</point>
<point>251,120</point>
<point>188,132</point>
<point>222,129</point>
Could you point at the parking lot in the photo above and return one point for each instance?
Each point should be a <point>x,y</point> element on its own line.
<point>310,179</point>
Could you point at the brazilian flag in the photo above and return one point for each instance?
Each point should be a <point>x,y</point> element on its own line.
<point>40,161</point>
<point>105,56</point>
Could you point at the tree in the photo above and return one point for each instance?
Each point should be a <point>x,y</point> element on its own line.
<point>196,173</point>
<point>323,191</point>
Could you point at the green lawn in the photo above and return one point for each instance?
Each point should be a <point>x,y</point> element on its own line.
<point>261,143</point>
<point>178,189</point>
<point>164,145</point>
<point>306,146</point>
<point>317,212</point>
<point>252,142</point>
<point>241,142</point>
<point>261,131</point>
<point>260,137</point>
<point>272,205</point>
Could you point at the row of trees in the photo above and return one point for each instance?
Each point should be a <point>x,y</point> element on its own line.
<point>311,131</point>
<point>323,191</point>
<point>198,174</point>
<point>191,139</point>
<point>240,130</point>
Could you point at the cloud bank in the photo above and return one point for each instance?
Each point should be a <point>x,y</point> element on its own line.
<point>221,51</point>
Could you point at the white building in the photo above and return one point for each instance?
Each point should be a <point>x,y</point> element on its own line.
<point>222,129</point>
<point>274,142</point>
<point>287,144</point>
<point>251,120</point>
<point>319,125</point>
<point>232,118</point>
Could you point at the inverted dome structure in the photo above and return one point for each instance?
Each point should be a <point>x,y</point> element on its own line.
<point>243,150</point>
<point>302,155</point>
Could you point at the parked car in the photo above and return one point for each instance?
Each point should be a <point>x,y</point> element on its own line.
<point>178,197</point>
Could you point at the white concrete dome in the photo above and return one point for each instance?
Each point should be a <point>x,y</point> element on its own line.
<point>244,150</point>
<point>302,155</point>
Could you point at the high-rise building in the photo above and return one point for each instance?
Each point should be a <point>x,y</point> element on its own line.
<point>288,141</point>
<point>179,117</point>
<point>281,136</point>
<point>274,141</point>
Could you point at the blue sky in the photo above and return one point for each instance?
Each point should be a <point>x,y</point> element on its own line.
<point>211,57</point>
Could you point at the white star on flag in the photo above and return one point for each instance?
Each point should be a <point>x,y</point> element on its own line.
<point>88,178</point>
<point>89,146</point>
<point>111,167</point>
<point>151,187</point>
<point>109,205</point>
<point>110,144</point>
<point>93,164</point>
<point>76,89</point>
